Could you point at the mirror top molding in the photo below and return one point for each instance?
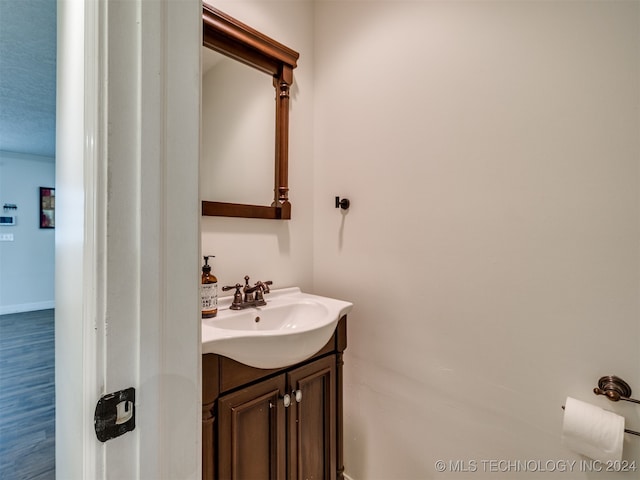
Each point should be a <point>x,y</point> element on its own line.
<point>230,37</point>
<point>233,38</point>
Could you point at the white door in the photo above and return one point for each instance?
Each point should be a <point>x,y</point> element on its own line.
<point>127,235</point>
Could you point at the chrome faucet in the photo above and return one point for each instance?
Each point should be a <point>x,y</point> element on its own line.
<point>253,296</point>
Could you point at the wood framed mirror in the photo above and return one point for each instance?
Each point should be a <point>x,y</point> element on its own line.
<point>226,35</point>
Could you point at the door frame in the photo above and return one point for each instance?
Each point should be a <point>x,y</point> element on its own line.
<point>127,234</point>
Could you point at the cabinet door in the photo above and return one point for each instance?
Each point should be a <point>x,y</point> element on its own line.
<point>251,433</point>
<point>312,421</point>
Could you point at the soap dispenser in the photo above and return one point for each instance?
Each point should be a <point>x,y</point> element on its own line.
<point>208,290</point>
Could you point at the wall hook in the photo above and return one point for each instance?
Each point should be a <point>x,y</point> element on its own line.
<point>343,204</point>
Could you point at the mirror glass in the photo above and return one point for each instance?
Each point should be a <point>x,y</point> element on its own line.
<point>238,132</point>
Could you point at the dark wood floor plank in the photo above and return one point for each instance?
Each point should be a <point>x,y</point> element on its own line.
<point>27,396</point>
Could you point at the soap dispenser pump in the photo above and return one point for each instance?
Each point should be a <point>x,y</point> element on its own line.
<point>208,290</point>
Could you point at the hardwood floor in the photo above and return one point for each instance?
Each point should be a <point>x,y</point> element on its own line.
<point>27,396</point>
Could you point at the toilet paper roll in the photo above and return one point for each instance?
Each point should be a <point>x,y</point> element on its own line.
<point>592,431</point>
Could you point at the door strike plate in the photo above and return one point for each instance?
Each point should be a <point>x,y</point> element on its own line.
<point>115,414</point>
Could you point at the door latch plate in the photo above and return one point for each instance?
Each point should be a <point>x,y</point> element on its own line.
<point>115,414</point>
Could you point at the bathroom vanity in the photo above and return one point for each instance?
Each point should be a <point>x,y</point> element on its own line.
<point>277,423</point>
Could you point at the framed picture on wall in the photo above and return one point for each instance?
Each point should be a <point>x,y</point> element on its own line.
<point>47,207</point>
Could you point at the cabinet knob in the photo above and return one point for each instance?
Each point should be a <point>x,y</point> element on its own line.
<point>298,395</point>
<point>286,399</point>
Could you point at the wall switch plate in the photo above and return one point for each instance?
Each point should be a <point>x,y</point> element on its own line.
<point>6,237</point>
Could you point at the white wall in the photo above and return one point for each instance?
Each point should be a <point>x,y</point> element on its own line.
<point>490,151</point>
<point>26,263</point>
<point>266,249</point>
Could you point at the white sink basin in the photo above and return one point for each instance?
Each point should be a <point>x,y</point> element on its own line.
<point>292,327</point>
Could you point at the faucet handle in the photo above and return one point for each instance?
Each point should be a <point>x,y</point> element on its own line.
<point>237,296</point>
<point>226,288</point>
<point>265,288</point>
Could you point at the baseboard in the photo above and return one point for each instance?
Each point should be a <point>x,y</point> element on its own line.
<point>26,307</point>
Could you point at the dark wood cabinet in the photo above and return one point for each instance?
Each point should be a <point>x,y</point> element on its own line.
<point>312,421</point>
<point>279,424</point>
<point>251,432</point>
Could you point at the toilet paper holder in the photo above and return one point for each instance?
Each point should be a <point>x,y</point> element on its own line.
<point>615,389</point>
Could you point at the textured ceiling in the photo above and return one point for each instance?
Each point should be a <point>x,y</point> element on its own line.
<point>28,76</point>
